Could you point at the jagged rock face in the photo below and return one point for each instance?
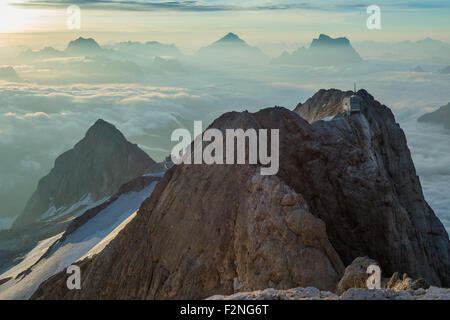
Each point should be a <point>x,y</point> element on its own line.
<point>361,178</point>
<point>440,116</point>
<point>355,174</point>
<point>355,275</point>
<point>406,283</point>
<point>323,104</point>
<point>208,230</point>
<point>97,166</point>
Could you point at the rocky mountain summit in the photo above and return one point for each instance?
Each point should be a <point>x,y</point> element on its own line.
<point>440,116</point>
<point>82,178</point>
<point>396,214</point>
<point>325,104</point>
<point>346,188</point>
<point>238,219</point>
<point>323,51</point>
<point>93,170</point>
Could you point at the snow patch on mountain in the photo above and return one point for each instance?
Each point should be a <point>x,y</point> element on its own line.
<point>85,203</point>
<point>57,253</point>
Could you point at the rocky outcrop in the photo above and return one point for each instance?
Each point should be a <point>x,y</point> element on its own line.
<point>361,178</point>
<point>355,275</point>
<point>219,229</point>
<point>148,49</point>
<point>95,168</point>
<point>324,104</point>
<point>406,283</point>
<point>250,232</point>
<point>311,293</point>
<point>441,116</point>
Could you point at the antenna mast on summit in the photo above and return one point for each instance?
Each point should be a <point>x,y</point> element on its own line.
<point>355,88</point>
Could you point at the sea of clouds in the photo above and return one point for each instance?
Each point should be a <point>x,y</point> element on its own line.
<point>40,120</point>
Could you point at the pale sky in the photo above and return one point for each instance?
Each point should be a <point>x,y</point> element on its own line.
<point>192,24</point>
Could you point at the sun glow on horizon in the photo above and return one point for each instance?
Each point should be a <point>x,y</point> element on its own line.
<point>12,19</point>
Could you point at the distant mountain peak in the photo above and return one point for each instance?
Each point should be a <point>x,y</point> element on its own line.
<point>93,169</point>
<point>85,40</point>
<point>231,38</point>
<point>82,45</point>
<point>101,124</point>
<point>325,40</point>
<point>104,130</point>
